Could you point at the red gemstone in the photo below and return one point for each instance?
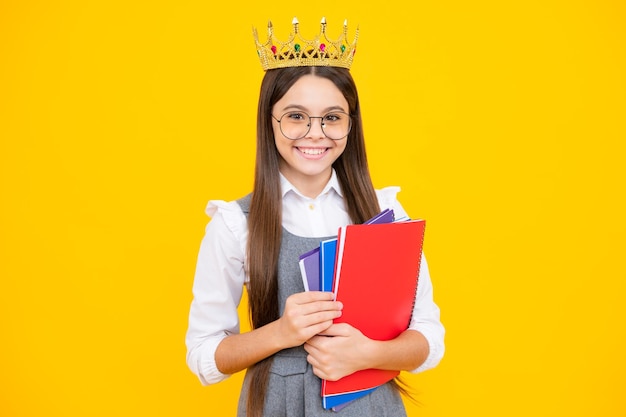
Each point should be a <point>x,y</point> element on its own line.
<point>273,48</point>
<point>322,47</point>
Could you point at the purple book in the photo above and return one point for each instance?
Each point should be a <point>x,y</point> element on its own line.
<point>310,269</point>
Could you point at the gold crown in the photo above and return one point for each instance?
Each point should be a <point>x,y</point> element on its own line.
<point>297,51</point>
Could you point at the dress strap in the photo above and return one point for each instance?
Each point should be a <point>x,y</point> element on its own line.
<point>244,203</point>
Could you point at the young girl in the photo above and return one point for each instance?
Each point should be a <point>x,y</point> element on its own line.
<point>311,178</point>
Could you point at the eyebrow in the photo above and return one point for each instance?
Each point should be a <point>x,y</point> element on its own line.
<point>304,109</point>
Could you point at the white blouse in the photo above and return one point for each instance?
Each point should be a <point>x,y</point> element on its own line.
<point>220,273</point>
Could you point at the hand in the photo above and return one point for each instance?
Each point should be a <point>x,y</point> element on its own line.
<point>307,314</point>
<point>341,354</point>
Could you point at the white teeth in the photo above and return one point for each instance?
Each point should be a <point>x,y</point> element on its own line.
<point>316,151</point>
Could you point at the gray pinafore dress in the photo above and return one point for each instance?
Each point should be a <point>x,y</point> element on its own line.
<point>292,388</point>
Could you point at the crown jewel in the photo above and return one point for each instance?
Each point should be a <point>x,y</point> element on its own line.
<point>300,52</point>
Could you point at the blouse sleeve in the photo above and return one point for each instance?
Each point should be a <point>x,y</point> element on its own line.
<point>426,319</point>
<point>217,288</point>
<point>426,315</point>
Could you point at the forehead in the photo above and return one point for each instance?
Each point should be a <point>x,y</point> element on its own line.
<point>314,94</point>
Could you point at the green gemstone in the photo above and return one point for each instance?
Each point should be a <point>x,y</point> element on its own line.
<point>343,48</point>
<point>297,47</point>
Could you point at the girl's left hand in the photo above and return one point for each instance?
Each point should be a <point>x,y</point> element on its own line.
<point>344,353</point>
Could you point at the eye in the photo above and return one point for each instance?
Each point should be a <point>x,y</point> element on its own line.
<point>296,116</point>
<point>333,117</point>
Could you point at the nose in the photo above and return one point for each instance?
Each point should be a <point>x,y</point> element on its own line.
<point>316,129</point>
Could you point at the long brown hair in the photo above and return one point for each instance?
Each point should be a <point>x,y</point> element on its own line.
<point>265,219</point>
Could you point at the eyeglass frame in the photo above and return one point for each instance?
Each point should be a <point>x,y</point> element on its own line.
<point>280,126</point>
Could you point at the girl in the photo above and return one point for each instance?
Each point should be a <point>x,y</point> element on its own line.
<point>311,177</point>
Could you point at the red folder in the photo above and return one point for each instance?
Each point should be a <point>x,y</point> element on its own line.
<point>376,276</point>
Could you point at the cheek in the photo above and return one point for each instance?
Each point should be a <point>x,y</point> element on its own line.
<point>342,148</point>
<point>283,146</point>
<point>276,131</point>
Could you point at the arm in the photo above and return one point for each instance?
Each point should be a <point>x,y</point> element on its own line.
<point>217,289</point>
<point>215,348</point>
<point>306,314</point>
<point>349,351</point>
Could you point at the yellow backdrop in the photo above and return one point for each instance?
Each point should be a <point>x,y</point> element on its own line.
<point>503,122</point>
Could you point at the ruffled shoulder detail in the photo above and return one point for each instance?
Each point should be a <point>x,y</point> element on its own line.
<point>388,198</point>
<point>231,214</point>
<point>220,205</point>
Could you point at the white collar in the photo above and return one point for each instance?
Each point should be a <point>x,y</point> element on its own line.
<point>332,184</point>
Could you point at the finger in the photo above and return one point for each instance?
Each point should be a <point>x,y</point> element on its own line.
<point>317,370</point>
<point>313,301</point>
<point>315,329</point>
<point>320,317</point>
<point>307,326</point>
<point>314,344</point>
<point>314,308</point>
<point>339,329</point>
<point>311,296</point>
<point>320,373</point>
<point>310,348</point>
<point>316,358</point>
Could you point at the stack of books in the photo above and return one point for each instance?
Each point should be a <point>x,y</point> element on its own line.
<point>373,269</point>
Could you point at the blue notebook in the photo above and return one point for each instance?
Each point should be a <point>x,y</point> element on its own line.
<point>328,252</point>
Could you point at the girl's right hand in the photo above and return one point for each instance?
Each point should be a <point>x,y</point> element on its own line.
<point>307,314</point>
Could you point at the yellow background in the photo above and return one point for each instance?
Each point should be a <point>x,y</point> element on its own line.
<point>502,121</point>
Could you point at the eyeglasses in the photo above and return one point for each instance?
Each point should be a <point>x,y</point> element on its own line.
<point>296,124</point>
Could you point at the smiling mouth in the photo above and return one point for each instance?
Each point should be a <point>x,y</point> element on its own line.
<point>312,151</point>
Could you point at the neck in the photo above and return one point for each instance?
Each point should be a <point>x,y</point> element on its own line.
<point>310,186</point>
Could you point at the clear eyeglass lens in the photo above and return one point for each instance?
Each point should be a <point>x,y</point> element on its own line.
<point>296,125</point>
